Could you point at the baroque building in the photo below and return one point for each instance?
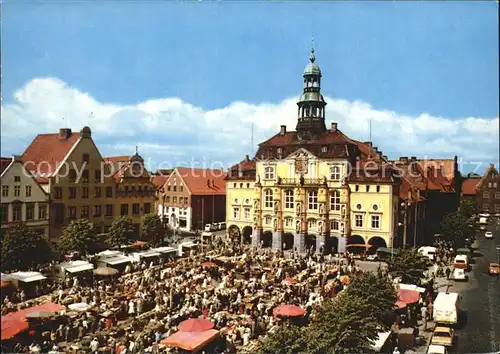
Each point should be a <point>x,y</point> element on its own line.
<point>314,187</point>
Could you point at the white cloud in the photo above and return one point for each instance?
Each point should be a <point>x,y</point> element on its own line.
<point>175,131</point>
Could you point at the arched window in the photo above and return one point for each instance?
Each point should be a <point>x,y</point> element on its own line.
<point>268,198</point>
<point>335,201</point>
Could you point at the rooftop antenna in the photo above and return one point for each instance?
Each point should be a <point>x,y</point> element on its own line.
<point>370,139</point>
<point>251,140</point>
<point>136,150</point>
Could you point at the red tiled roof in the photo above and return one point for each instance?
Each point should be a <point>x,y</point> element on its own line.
<point>49,149</point>
<point>469,186</point>
<point>4,162</point>
<point>159,181</point>
<point>203,181</point>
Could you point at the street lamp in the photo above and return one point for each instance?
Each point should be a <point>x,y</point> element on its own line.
<point>404,206</point>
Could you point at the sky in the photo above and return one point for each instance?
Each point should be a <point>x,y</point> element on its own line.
<point>186,81</point>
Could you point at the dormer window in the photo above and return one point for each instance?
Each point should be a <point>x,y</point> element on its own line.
<point>335,173</point>
<point>323,149</point>
<point>280,150</point>
<point>269,172</point>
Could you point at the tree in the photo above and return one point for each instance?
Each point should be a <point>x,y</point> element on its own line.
<point>379,292</point>
<point>342,325</point>
<point>23,248</point>
<point>152,228</point>
<point>78,237</point>
<point>121,232</point>
<point>286,340</point>
<point>467,208</point>
<point>408,264</point>
<point>455,229</point>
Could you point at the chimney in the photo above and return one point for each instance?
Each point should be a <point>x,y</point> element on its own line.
<point>64,133</point>
<point>413,158</point>
<point>384,157</point>
<point>282,129</point>
<point>403,159</point>
<point>492,165</point>
<point>247,158</point>
<point>16,158</point>
<point>208,183</point>
<point>376,149</point>
<point>334,127</point>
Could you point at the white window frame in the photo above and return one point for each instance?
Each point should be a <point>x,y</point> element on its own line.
<point>268,220</point>
<point>497,208</point>
<point>312,200</point>
<point>246,213</point>
<point>335,200</point>
<point>335,173</point>
<point>269,172</point>
<point>17,191</point>
<point>312,223</point>
<point>5,191</point>
<point>28,191</point>
<point>288,221</point>
<point>236,213</point>
<point>497,195</point>
<point>334,223</point>
<point>375,220</point>
<point>268,198</point>
<point>289,199</point>
<point>359,220</point>
<point>486,195</point>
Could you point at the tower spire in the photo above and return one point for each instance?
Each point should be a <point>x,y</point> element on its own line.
<point>312,57</point>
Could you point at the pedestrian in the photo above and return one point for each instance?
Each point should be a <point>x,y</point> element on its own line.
<point>415,335</point>
<point>423,311</point>
<point>448,271</point>
<point>396,351</point>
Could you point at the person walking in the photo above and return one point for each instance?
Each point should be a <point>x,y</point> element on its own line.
<point>423,311</point>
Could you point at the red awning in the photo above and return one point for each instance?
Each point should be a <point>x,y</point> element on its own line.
<point>191,341</point>
<point>289,311</point>
<point>14,323</point>
<point>195,325</point>
<point>408,296</point>
<point>209,264</point>
<point>290,280</point>
<point>358,245</point>
<point>400,305</point>
<point>138,243</point>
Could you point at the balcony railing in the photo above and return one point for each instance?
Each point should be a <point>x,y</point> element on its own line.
<point>301,181</point>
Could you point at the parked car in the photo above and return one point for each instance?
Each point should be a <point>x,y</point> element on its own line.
<point>459,274</point>
<point>494,269</point>
<point>372,257</point>
<point>461,261</point>
<point>437,349</point>
<point>444,336</point>
<point>488,234</point>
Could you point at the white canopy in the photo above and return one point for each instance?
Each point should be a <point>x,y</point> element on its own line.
<point>109,253</point>
<point>412,287</point>
<point>164,249</point>
<point>80,306</point>
<point>76,266</point>
<point>115,260</point>
<point>28,277</point>
<point>380,341</point>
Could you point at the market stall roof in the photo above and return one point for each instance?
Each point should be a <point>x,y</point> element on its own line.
<point>188,244</point>
<point>80,307</point>
<point>289,311</point>
<point>208,264</point>
<point>14,323</point>
<point>115,260</point>
<point>191,341</point>
<point>5,277</point>
<point>28,277</point>
<point>195,325</point>
<point>106,271</point>
<point>380,341</point>
<point>411,287</point>
<point>149,253</point>
<point>109,253</point>
<point>408,296</point>
<point>76,266</point>
<point>164,249</point>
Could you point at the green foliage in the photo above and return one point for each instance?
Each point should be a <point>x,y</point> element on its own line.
<point>78,237</point>
<point>409,265</point>
<point>121,232</point>
<point>23,248</point>
<point>379,292</point>
<point>467,207</point>
<point>287,340</point>
<point>152,228</point>
<point>342,325</point>
<point>455,229</point>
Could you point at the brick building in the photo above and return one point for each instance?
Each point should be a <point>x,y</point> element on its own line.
<point>488,191</point>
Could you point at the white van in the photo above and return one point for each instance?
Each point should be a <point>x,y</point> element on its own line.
<point>428,251</point>
<point>210,227</point>
<point>446,308</point>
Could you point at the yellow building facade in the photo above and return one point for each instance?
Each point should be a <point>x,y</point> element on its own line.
<point>314,188</point>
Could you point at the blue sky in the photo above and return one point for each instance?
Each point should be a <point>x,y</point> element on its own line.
<point>434,58</point>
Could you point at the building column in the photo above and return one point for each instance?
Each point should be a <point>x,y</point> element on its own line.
<point>342,244</point>
<point>321,243</point>
<point>256,237</point>
<point>299,242</point>
<point>278,241</point>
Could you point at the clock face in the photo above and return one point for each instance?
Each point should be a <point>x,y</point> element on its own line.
<point>301,165</point>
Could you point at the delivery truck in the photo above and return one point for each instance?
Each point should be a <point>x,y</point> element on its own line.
<point>447,308</point>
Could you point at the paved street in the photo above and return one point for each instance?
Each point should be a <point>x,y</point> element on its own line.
<point>481,300</point>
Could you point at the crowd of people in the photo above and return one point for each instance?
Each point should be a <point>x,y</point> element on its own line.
<point>235,286</point>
